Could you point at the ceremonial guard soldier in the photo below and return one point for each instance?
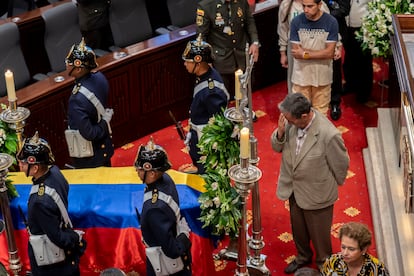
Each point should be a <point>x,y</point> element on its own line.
<point>210,96</point>
<point>54,246</point>
<point>86,109</point>
<point>228,25</point>
<point>165,233</point>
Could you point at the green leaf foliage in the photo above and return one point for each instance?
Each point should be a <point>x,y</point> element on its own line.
<point>9,145</point>
<point>220,204</point>
<point>377,25</point>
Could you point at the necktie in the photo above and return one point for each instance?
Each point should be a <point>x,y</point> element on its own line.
<point>299,140</point>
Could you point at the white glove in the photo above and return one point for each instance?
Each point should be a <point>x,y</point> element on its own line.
<point>80,233</point>
<point>107,116</point>
<point>182,227</point>
<point>187,140</point>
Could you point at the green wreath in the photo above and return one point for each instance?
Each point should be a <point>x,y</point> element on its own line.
<point>220,204</point>
<point>9,145</point>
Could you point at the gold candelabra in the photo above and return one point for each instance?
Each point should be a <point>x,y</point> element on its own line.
<point>15,116</point>
<point>243,113</point>
<point>244,176</point>
<point>14,261</point>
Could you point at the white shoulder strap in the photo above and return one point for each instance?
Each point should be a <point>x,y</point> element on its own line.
<point>202,85</point>
<point>99,107</point>
<point>91,97</point>
<point>167,199</point>
<point>55,196</point>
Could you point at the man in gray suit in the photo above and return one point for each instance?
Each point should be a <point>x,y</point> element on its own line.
<point>314,162</point>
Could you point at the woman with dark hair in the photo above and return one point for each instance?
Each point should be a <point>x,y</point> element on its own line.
<point>353,260</point>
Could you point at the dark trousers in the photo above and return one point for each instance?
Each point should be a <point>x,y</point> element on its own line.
<point>195,156</point>
<point>311,226</point>
<point>336,86</point>
<point>229,83</point>
<point>99,39</point>
<point>358,70</point>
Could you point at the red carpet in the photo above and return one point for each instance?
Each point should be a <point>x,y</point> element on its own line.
<point>352,205</point>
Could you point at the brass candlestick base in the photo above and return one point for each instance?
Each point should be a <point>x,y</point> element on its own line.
<point>244,176</point>
<point>233,114</point>
<point>13,116</point>
<point>16,117</point>
<point>14,261</point>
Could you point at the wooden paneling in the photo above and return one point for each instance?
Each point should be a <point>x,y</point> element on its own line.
<point>144,86</point>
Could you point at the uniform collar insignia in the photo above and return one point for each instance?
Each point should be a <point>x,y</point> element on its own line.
<point>41,190</point>
<point>154,197</point>
<point>210,84</point>
<point>76,88</point>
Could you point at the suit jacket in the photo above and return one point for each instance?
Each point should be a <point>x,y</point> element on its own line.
<point>321,165</point>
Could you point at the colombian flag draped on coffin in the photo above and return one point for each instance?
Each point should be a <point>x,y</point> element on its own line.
<point>104,202</point>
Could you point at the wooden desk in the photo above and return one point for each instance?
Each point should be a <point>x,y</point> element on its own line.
<point>144,86</point>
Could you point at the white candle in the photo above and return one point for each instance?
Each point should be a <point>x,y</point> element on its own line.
<point>244,143</point>
<point>11,92</point>
<point>237,91</point>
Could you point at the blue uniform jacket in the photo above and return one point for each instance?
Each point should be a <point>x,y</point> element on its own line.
<point>159,225</point>
<point>209,97</point>
<point>82,115</point>
<point>44,217</point>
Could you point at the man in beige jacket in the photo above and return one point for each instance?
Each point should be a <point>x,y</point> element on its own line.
<point>314,162</point>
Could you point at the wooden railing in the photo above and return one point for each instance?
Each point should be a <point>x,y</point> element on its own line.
<point>144,85</point>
